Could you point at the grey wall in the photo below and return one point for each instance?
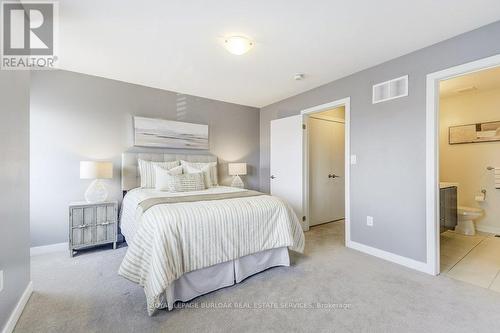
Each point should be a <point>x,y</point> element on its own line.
<point>388,181</point>
<point>78,117</point>
<point>14,188</point>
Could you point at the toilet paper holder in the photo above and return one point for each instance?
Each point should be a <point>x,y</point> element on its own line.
<point>481,197</point>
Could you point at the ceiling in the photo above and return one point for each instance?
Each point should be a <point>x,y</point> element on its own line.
<point>477,81</point>
<point>177,45</point>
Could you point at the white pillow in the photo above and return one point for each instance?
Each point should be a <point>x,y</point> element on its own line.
<point>209,169</point>
<point>186,182</point>
<point>163,177</point>
<point>205,171</point>
<point>147,171</point>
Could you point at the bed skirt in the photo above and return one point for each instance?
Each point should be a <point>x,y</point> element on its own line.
<point>206,280</point>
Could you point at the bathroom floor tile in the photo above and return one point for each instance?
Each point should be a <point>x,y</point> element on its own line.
<point>476,273</point>
<point>495,285</point>
<point>481,265</point>
<point>455,246</point>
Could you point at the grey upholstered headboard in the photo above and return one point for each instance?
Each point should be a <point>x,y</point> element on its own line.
<point>130,166</point>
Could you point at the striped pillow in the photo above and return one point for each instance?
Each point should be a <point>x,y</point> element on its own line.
<point>209,169</point>
<point>186,182</point>
<point>164,177</point>
<point>147,171</point>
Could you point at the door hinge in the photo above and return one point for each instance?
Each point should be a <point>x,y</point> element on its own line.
<point>303,218</point>
<point>303,126</point>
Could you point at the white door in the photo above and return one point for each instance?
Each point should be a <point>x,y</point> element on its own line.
<point>326,171</point>
<point>286,161</point>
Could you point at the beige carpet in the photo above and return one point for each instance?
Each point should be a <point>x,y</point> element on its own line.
<point>363,293</point>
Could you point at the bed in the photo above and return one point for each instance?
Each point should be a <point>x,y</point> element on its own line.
<point>185,244</point>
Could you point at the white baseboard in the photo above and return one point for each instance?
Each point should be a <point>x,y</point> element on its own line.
<point>488,228</point>
<point>410,263</point>
<point>59,247</point>
<point>18,310</point>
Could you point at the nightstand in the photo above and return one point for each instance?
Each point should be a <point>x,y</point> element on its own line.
<point>92,224</point>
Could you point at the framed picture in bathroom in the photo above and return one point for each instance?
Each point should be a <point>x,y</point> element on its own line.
<point>474,133</point>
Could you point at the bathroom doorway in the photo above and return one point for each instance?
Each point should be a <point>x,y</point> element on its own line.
<point>463,181</point>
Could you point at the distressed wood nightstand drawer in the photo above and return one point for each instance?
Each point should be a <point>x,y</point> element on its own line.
<point>92,224</point>
<point>82,216</point>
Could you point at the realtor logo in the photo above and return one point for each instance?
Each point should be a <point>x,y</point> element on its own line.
<point>29,35</point>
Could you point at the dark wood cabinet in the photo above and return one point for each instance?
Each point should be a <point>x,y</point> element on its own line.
<point>448,208</point>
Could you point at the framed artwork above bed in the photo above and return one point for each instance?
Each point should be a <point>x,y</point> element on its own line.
<point>161,133</point>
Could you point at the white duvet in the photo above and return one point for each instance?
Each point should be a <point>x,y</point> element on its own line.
<point>131,213</point>
<point>169,240</point>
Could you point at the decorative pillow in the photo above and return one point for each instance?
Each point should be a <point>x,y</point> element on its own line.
<point>163,177</point>
<point>187,182</point>
<point>205,171</point>
<point>147,171</point>
<point>209,169</point>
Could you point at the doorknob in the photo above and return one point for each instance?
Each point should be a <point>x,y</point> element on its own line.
<point>272,177</point>
<point>333,176</point>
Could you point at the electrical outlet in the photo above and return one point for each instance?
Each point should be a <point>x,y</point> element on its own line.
<point>354,159</point>
<point>1,281</point>
<point>369,221</point>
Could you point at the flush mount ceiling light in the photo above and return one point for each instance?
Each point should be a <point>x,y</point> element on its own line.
<point>238,44</point>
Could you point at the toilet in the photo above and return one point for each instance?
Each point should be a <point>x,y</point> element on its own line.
<point>466,218</point>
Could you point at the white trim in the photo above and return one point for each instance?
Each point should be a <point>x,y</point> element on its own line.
<point>488,228</point>
<point>432,177</point>
<point>18,310</point>
<point>432,151</point>
<point>324,107</point>
<point>59,247</point>
<point>346,103</point>
<point>410,263</point>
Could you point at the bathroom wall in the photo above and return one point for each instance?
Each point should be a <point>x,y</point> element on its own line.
<point>466,163</point>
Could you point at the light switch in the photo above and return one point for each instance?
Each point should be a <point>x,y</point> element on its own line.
<point>353,159</point>
<point>369,221</point>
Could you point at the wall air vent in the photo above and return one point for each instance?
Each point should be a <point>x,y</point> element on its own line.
<point>391,89</point>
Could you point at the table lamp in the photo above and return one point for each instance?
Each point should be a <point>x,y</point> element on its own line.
<point>97,191</point>
<point>237,170</point>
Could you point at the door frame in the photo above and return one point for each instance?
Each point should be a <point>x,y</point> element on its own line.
<point>432,151</point>
<point>346,103</point>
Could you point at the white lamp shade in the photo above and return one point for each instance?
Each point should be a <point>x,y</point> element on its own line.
<point>237,169</point>
<point>96,170</point>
